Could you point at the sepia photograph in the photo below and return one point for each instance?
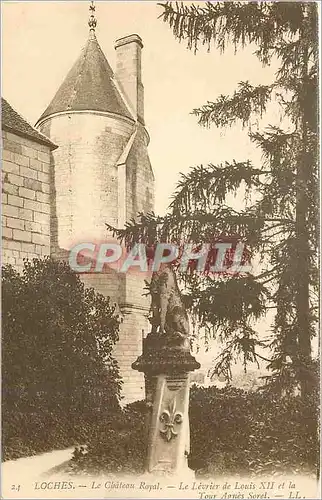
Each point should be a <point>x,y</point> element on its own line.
<point>160,297</point>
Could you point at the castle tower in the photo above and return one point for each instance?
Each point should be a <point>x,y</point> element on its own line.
<point>101,173</point>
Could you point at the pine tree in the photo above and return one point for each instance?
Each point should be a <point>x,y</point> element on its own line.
<point>279,220</point>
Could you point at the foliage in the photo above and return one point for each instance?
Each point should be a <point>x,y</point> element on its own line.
<point>232,432</point>
<point>278,222</point>
<point>236,432</point>
<point>249,381</point>
<point>116,445</point>
<point>58,372</point>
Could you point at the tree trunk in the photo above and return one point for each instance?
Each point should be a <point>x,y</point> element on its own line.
<point>303,249</point>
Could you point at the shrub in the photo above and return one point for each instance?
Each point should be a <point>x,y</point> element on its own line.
<point>232,432</point>
<point>116,445</point>
<point>58,372</point>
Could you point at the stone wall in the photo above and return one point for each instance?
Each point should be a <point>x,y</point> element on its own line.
<point>134,324</point>
<point>139,177</point>
<point>127,350</point>
<point>25,199</point>
<point>134,304</point>
<point>85,175</point>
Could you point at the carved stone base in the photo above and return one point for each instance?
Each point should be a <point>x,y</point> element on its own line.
<point>158,357</point>
<point>169,439</point>
<point>166,367</point>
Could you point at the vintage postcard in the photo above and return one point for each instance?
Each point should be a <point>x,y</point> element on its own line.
<point>160,249</point>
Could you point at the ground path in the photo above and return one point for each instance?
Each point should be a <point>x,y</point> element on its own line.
<point>29,469</point>
<point>45,469</point>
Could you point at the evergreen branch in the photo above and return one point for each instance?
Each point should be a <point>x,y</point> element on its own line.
<point>245,345</point>
<point>245,293</point>
<point>197,226</point>
<point>268,280</point>
<point>204,186</point>
<point>270,228</point>
<point>237,24</point>
<point>262,357</point>
<point>267,273</point>
<point>146,228</point>
<point>245,102</point>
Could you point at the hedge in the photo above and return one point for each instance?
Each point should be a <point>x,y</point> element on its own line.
<point>232,432</point>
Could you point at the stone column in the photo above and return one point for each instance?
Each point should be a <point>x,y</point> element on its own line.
<point>166,370</point>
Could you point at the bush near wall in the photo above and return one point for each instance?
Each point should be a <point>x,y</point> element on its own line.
<point>232,432</point>
<point>58,372</point>
<point>116,445</point>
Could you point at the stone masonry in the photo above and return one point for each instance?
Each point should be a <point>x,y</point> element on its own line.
<point>25,199</point>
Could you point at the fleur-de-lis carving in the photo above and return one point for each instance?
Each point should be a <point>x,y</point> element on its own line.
<point>169,419</point>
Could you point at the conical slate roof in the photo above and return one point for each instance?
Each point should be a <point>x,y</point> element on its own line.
<point>89,85</point>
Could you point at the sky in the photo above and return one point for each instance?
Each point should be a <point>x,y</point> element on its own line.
<point>42,40</point>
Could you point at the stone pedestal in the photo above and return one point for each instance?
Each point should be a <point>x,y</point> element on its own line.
<point>166,370</point>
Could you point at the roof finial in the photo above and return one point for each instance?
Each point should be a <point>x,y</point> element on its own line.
<point>92,22</point>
